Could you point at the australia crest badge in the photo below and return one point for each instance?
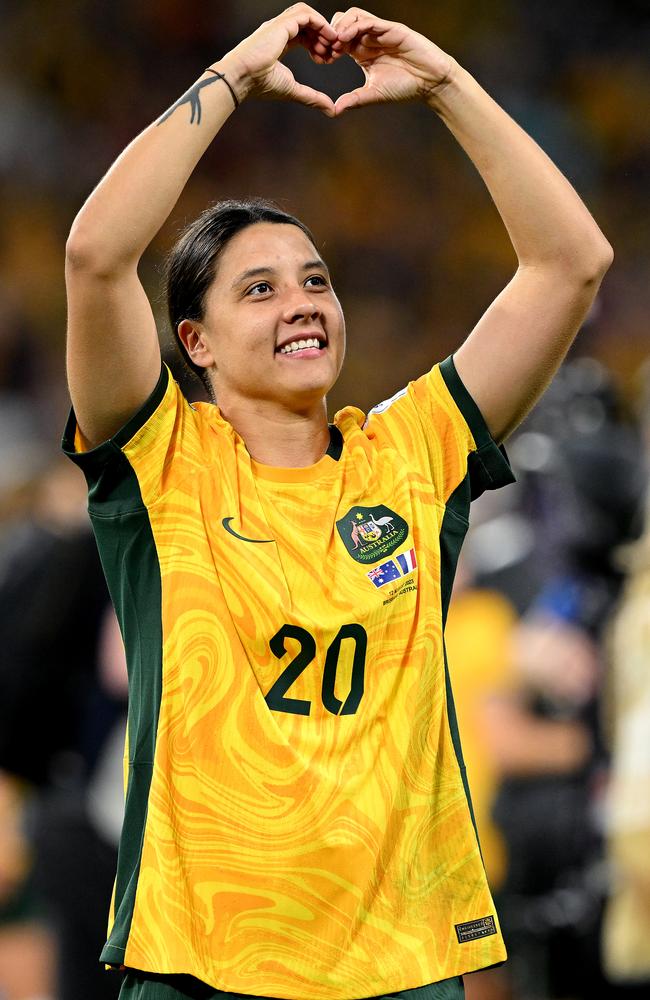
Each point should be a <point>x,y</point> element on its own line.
<point>372,533</point>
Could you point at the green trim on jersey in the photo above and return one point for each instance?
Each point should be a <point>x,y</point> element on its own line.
<point>107,474</point>
<point>146,986</point>
<point>138,603</point>
<point>335,447</point>
<point>465,403</point>
<point>114,497</point>
<point>487,467</point>
<point>452,534</point>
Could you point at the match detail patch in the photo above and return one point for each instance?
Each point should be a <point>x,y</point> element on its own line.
<point>473,929</point>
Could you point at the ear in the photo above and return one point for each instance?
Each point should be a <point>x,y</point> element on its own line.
<point>193,339</point>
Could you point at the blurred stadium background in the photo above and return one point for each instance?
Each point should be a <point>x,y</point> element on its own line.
<point>549,632</point>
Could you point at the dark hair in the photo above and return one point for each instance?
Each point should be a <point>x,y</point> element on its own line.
<point>192,262</point>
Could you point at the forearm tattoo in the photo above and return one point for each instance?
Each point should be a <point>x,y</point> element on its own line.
<point>191,97</point>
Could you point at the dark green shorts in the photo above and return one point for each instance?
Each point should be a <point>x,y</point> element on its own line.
<point>142,986</point>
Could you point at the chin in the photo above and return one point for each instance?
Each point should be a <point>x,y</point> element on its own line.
<point>308,393</point>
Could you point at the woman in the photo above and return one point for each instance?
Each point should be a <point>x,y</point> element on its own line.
<point>297,819</point>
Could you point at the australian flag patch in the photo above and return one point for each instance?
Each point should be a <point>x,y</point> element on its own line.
<point>383,574</point>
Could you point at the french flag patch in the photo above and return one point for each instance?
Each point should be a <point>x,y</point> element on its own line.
<point>407,561</point>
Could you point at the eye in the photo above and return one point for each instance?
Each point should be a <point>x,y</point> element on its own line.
<point>318,279</point>
<point>260,288</point>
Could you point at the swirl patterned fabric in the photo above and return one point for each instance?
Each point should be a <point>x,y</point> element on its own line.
<point>297,818</point>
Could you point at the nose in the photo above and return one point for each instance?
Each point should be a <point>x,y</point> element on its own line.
<point>299,305</point>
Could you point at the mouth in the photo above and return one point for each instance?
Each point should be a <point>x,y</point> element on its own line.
<point>303,347</point>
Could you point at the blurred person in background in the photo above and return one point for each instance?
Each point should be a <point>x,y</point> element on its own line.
<point>627,918</point>
<point>581,485</point>
<point>269,342</point>
<point>62,712</point>
<point>27,949</point>
<point>626,929</point>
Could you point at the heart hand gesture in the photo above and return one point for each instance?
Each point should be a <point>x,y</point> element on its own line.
<point>399,64</point>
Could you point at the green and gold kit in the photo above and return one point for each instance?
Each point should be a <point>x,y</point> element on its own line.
<point>298,821</point>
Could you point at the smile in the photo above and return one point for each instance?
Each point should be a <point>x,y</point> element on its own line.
<point>308,347</point>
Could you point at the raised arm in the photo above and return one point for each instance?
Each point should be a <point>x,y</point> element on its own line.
<point>113,357</point>
<point>511,355</point>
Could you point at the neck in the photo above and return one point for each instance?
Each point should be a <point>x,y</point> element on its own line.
<point>275,436</point>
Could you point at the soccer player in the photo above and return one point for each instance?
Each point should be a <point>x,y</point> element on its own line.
<point>298,823</point>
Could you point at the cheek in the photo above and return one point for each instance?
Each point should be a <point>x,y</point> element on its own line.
<point>236,345</point>
<point>253,333</point>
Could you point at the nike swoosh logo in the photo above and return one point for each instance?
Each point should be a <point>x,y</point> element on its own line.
<point>258,541</point>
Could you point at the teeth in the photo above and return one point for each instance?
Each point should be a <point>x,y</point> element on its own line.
<point>299,345</point>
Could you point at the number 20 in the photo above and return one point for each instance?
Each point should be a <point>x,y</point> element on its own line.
<point>276,699</point>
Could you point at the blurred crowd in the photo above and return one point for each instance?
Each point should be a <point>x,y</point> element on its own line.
<point>549,628</point>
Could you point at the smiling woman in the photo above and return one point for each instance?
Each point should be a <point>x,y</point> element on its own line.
<point>253,294</point>
<point>192,262</point>
<point>298,822</point>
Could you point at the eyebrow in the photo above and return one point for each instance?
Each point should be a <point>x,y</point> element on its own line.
<point>256,272</point>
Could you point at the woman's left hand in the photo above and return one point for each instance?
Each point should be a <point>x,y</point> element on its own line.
<point>399,64</point>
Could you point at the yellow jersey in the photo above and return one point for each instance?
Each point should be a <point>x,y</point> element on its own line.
<point>298,822</point>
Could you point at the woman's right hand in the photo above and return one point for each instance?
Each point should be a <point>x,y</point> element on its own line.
<point>253,67</point>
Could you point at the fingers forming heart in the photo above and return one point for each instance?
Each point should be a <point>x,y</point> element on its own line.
<point>364,38</point>
<point>323,51</point>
